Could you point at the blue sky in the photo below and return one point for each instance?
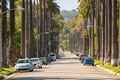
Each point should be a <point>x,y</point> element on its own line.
<point>67,4</point>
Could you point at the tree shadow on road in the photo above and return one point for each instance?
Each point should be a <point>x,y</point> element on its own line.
<point>56,78</point>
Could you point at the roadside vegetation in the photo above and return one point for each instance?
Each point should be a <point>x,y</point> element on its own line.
<point>108,66</point>
<point>96,30</point>
<point>5,71</point>
<point>32,29</point>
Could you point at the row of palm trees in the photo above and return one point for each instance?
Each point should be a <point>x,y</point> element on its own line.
<point>98,33</point>
<point>36,24</point>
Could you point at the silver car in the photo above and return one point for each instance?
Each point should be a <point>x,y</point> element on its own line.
<point>24,64</point>
<point>36,62</point>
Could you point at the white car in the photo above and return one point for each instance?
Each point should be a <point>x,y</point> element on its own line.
<point>36,62</point>
<point>44,60</point>
<point>24,64</point>
<point>52,56</point>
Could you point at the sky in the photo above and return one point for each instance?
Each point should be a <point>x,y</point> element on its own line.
<point>67,4</point>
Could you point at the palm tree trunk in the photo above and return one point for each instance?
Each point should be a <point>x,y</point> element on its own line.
<point>12,47</point>
<point>31,32</point>
<point>26,30</point>
<point>103,32</point>
<point>98,28</point>
<point>41,30</point>
<point>109,20</point>
<point>23,30</point>
<point>114,56</point>
<point>92,29</point>
<point>119,36</point>
<point>4,33</point>
<point>44,52</point>
<point>106,30</point>
<point>0,43</point>
<point>38,29</point>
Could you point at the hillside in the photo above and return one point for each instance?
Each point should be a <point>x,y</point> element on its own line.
<point>68,15</point>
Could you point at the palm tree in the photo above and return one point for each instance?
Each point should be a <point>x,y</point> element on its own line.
<point>4,30</point>
<point>103,31</point>
<point>114,54</point>
<point>98,27</point>
<point>23,30</point>
<point>31,32</point>
<point>119,36</point>
<point>92,29</point>
<point>0,42</point>
<point>40,31</point>
<point>109,21</point>
<point>26,30</point>
<point>12,47</point>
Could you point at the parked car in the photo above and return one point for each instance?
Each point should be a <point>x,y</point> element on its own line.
<point>36,62</point>
<point>81,59</point>
<point>24,64</point>
<point>52,57</point>
<point>88,60</point>
<point>44,60</point>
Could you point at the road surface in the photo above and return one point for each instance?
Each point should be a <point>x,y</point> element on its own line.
<point>67,68</point>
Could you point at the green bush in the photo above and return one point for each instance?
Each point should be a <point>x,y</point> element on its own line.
<point>7,70</point>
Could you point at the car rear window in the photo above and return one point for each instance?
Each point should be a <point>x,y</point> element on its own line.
<point>33,60</point>
<point>23,61</point>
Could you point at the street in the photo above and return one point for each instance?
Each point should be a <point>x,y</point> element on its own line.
<point>67,68</point>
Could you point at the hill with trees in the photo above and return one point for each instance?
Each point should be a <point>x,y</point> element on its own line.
<point>69,14</point>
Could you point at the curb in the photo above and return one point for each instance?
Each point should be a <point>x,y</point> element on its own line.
<point>9,73</point>
<point>107,70</point>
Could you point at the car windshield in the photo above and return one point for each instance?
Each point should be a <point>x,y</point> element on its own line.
<point>33,60</point>
<point>23,61</point>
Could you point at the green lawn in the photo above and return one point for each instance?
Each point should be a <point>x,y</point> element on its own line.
<point>107,66</point>
<point>6,70</point>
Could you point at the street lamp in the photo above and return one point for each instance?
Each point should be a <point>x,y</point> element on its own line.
<point>12,10</point>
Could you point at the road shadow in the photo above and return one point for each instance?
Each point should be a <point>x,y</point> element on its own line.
<point>56,78</point>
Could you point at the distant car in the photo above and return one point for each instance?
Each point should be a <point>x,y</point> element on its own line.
<point>24,64</point>
<point>44,60</point>
<point>36,62</point>
<point>52,57</point>
<point>81,59</point>
<point>88,60</point>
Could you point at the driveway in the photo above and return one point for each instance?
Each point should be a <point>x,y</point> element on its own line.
<point>67,68</point>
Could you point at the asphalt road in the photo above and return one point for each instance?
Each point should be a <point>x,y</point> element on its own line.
<point>67,68</point>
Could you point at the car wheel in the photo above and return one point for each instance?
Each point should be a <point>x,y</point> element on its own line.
<point>92,64</point>
<point>30,70</point>
<point>41,67</point>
